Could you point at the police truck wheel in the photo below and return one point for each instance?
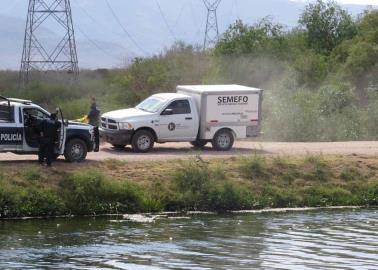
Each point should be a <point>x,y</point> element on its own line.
<point>76,150</point>
<point>199,143</point>
<point>143,141</point>
<point>223,140</point>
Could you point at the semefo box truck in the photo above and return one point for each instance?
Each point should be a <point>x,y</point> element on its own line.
<point>198,114</point>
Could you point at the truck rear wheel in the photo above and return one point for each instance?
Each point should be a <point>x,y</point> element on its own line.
<point>143,141</point>
<point>223,140</point>
<point>199,143</point>
<point>76,150</point>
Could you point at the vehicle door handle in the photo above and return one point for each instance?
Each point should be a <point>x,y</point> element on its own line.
<point>188,118</point>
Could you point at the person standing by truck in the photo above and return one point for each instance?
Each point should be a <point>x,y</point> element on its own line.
<point>94,120</point>
<point>49,133</point>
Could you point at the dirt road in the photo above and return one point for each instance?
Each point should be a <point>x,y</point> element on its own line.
<point>184,150</point>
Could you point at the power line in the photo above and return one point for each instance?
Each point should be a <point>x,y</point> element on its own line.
<point>165,20</point>
<point>95,44</point>
<point>180,14</point>
<point>195,20</point>
<point>123,28</point>
<point>92,18</point>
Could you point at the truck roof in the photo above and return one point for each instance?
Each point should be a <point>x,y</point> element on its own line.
<point>14,101</point>
<point>169,96</point>
<point>217,88</point>
<point>11,103</point>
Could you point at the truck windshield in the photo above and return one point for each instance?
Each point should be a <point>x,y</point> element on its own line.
<point>152,104</point>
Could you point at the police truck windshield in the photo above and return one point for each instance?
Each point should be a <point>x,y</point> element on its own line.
<point>152,104</point>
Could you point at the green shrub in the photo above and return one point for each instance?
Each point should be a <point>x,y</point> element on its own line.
<point>193,176</point>
<point>368,194</point>
<point>350,174</point>
<point>285,170</point>
<point>328,196</point>
<point>21,202</point>
<point>279,197</point>
<point>31,174</point>
<point>91,193</point>
<point>230,196</point>
<point>318,168</point>
<point>254,167</point>
<point>40,202</point>
<point>8,203</point>
<point>192,181</point>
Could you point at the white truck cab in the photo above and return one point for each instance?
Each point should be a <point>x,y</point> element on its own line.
<point>196,113</point>
<point>19,133</point>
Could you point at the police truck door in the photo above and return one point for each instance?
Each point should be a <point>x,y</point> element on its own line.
<point>11,134</point>
<point>62,133</point>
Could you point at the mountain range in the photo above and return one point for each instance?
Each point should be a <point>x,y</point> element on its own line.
<point>108,32</point>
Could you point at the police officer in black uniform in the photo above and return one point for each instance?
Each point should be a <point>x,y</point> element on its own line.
<point>94,120</point>
<point>49,133</point>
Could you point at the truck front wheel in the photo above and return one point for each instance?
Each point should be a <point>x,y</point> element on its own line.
<point>223,140</point>
<point>142,141</point>
<point>76,150</point>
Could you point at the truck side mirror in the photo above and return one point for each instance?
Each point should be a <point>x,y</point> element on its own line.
<point>167,112</point>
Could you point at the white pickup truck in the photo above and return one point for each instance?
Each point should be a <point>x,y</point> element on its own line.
<point>195,113</point>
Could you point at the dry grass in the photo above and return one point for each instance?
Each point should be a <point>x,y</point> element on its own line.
<point>279,170</point>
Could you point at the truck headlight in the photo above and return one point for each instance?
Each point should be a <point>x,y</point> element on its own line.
<point>125,126</point>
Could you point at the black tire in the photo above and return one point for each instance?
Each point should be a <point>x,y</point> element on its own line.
<point>119,146</point>
<point>199,143</point>
<point>223,140</point>
<point>142,141</point>
<point>76,150</point>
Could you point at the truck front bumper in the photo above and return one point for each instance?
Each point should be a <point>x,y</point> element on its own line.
<point>116,137</point>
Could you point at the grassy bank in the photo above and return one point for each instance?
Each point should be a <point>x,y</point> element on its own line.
<point>217,185</point>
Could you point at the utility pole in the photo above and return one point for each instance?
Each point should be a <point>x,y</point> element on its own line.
<point>44,52</point>
<point>212,31</point>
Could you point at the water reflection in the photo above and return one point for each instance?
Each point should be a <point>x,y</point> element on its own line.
<point>338,239</point>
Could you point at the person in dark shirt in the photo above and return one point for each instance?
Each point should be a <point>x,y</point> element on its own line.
<point>94,114</point>
<point>94,120</point>
<point>49,133</point>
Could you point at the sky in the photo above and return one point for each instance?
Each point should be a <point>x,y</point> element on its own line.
<point>154,25</point>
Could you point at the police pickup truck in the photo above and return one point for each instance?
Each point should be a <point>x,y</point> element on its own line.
<point>19,134</point>
<point>195,113</point>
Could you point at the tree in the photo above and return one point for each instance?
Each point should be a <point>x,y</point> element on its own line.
<point>264,37</point>
<point>327,25</point>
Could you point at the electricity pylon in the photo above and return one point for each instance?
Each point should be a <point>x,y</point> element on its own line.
<point>212,31</point>
<point>45,51</point>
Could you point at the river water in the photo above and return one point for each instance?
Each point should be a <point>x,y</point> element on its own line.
<point>321,239</point>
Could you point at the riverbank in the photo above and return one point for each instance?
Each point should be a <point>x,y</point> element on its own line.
<point>235,183</point>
